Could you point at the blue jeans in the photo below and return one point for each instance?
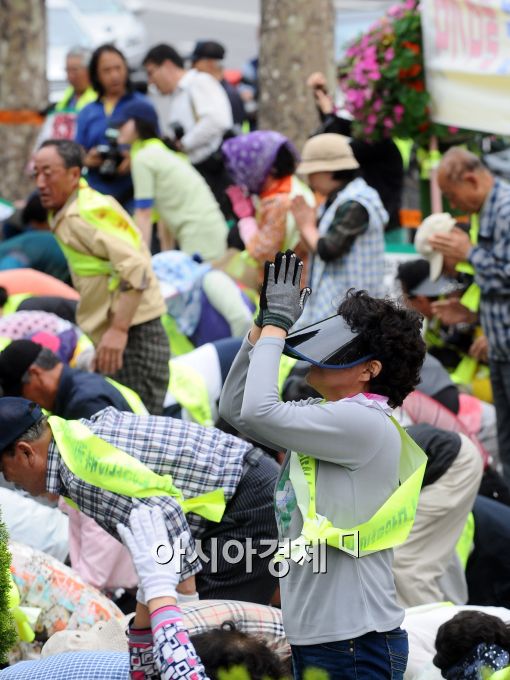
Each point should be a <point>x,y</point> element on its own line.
<point>372,656</point>
<point>500,380</point>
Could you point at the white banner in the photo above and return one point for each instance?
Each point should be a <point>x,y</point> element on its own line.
<point>467,58</point>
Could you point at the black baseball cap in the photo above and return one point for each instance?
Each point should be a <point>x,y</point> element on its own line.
<point>330,343</point>
<point>207,49</point>
<point>15,360</point>
<point>17,415</point>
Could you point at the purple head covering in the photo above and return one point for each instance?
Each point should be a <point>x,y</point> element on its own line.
<point>249,158</point>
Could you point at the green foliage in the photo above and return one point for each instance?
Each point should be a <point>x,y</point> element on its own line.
<point>384,80</point>
<point>7,629</point>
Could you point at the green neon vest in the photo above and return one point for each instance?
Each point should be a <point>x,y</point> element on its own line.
<point>133,400</point>
<point>472,296</point>
<point>101,464</point>
<point>96,209</point>
<point>189,389</point>
<point>14,301</point>
<point>90,95</point>
<point>179,343</point>
<point>387,528</point>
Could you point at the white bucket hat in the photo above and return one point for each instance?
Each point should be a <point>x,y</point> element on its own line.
<point>104,635</point>
<point>439,223</point>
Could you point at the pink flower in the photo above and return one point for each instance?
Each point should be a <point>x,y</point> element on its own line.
<point>374,75</point>
<point>389,54</point>
<point>410,4</point>
<point>367,94</point>
<point>388,123</point>
<point>368,129</point>
<point>372,119</point>
<point>398,111</point>
<point>452,129</point>
<point>377,105</point>
<point>396,11</point>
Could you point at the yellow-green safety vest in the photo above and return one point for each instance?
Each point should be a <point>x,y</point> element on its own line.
<point>13,302</point>
<point>21,620</point>
<point>465,542</point>
<point>4,342</point>
<point>472,296</point>
<point>101,464</point>
<point>133,399</point>
<point>387,528</point>
<point>189,389</point>
<point>286,366</point>
<point>179,343</point>
<point>89,96</point>
<point>96,209</point>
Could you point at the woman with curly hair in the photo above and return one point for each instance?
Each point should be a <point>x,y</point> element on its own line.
<point>472,645</point>
<point>344,462</point>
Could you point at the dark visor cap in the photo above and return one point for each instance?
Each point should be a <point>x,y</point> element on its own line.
<point>329,343</point>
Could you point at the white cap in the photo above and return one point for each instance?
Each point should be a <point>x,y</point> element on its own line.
<point>439,223</point>
<point>104,635</point>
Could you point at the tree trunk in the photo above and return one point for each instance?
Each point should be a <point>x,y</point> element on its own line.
<point>296,40</point>
<point>23,89</point>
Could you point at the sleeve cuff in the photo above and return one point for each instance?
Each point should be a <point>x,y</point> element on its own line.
<point>144,203</point>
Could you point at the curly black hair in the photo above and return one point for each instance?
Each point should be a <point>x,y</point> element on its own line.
<point>227,647</point>
<point>392,334</point>
<point>464,632</point>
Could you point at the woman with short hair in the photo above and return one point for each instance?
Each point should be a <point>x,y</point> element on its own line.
<point>347,461</point>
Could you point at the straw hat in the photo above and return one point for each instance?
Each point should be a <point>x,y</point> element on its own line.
<point>439,223</point>
<point>104,635</point>
<point>327,153</point>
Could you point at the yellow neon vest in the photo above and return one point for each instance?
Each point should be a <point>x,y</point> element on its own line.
<point>133,399</point>
<point>101,464</point>
<point>471,298</point>
<point>22,622</point>
<point>90,95</point>
<point>13,302</point>
<point>96,209</point>
<point>286,366</point>
<point>179,343</point>
<point>190,391</point>
<point>387,528</point>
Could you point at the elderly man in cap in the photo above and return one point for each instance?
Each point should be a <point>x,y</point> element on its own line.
<point>102,464</point>
<point>470,187</point>
<point>347,241</point>
<point>29,370</point>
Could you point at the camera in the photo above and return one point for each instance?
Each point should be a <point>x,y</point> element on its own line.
<point>178,130</point>
<point>111,154</point>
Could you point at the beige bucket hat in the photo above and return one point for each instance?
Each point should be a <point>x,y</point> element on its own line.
<point>439,223</point>
<point>104,635</point>
<point>327,153</point>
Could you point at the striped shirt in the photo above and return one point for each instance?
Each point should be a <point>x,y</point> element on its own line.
<point>199,459</point>
<point>491,260</point>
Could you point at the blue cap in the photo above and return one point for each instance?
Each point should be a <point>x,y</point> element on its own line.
<point>17,415</point>
<point>140,109</point>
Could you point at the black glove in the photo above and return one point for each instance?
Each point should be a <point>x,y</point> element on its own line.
<point>281,297</point>
<point>259,319</point>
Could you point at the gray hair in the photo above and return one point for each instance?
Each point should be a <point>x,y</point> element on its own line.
<point>33,433</point>
<point>84,53</point>
<point>457,161</point>
<point>46,359</point>
<point>70,152</point>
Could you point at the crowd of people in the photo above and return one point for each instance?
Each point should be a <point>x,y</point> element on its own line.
<point>227,426</point>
